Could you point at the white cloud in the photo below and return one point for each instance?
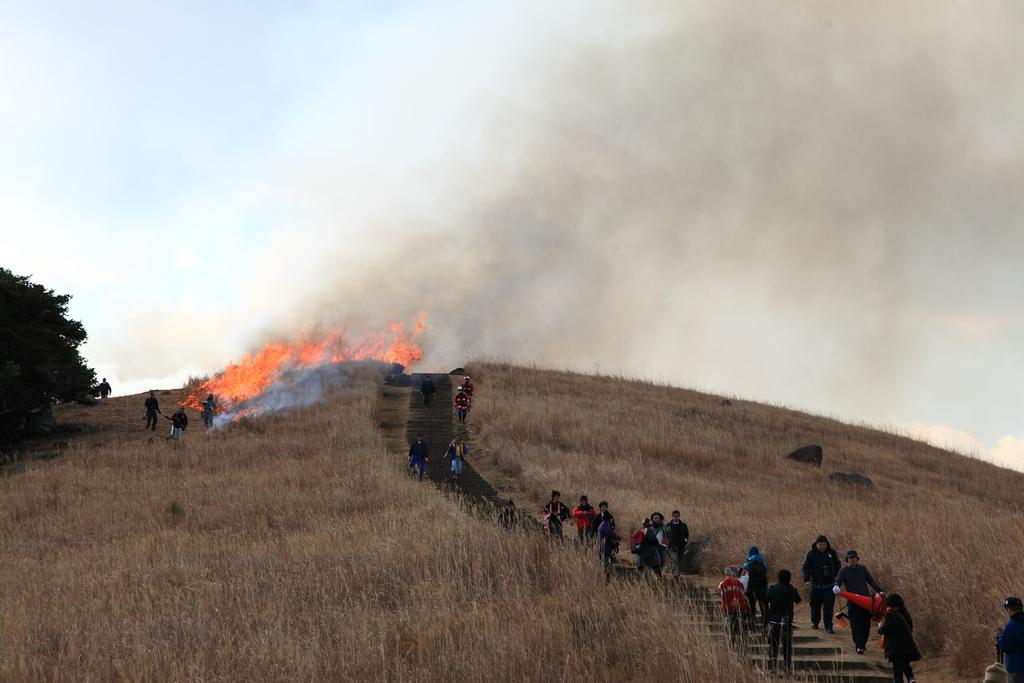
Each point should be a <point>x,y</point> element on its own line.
<point>1008,451</point>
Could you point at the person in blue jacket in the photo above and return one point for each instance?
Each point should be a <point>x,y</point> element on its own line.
<point>755,569</point>
<point>1011,640</point>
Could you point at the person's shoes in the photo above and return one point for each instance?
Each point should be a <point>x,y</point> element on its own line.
<point>829,629</point>
<point>814,626</point>
<point>860,650</point>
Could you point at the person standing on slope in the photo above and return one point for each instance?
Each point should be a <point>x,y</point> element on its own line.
<point>507,517</point>
<point>419,455</point>
<point>735,607</point>
<point>856,578</point>
<point>428,390</point>
<point>104,389</point>
<point>468,387</point>
<point>209,409</point>
<point>897,630</point>
<point>152,409</point>
<point>555,513</point>
<point>1011,640</point>
<point>755,570</point>
<point>456,452</point>
<point>461,404</point>
<point>179,423</point>
<point>607,544</point>
<point>821,565</point>
<point>678,537</point>
<point>652,546</point>
<point>782,599</point>
<point>583,513</point>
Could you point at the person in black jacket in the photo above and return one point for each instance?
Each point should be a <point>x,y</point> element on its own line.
<point>781,600</point>
<point>555,513</point>
<point>898,630</point>
<point>821,565</point>
<point>428,390</point>
<point>104,389</point>
<point>152,409</point>
<point>856,578</point>
<point>678,537</point>
<point>507,516</point>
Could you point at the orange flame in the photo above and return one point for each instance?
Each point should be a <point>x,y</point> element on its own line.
<point>253,373</point>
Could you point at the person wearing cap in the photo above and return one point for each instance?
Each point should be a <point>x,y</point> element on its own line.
<point>856,578</point>
<point>1011,640</point>
<point>821,565</point>
<point>583,513</point>
<point>897,629</point>
<point>467,386</point>
<point>461,404</point>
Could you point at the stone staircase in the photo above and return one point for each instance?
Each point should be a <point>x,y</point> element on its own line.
<point>816,657</point>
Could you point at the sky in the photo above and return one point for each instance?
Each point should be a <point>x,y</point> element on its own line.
<point>815,204</point>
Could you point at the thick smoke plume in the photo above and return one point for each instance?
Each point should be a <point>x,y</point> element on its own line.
<point>808,202</point>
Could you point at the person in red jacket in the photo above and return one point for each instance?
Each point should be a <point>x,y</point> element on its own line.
<point>461,404</point>
<point>467,386</point>
<point>583,513</point>
<point>734,604</point>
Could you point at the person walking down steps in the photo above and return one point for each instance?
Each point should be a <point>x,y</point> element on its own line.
<point>555,512</point>
<point>419,455</point>
<point>461,404</point>
<point>678,537</point>
<point>507,518</point>
<point>734,605</point>
<point>821,565</point>
<point>897,631</point>
<point>428,390</point>
<point>457,451</point>
<point>584,514</point>
<point>856,578</point>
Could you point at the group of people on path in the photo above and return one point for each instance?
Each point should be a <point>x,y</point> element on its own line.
<point>419,456</point>
<point>179,420</point>
<point>462,402</point>
<point>745,592</point>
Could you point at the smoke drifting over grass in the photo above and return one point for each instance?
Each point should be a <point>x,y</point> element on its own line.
<point>813,203</point>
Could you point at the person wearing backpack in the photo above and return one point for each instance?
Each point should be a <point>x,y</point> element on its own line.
<point>821,564</point>
<point>897,631</point>
<point>858,580</point>
<point>584,514</point>
<point>603,515</point>
<point>735,606</point>
<point>652,546</point>
<point>608,545</point>
<point>678,537</point>
<point>782,599</point>
<point>755,569</point>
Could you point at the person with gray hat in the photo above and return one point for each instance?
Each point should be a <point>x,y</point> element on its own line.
<point>1011,640</point>
<point>855,578</point>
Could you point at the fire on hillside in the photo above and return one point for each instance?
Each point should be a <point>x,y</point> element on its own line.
<point>290,374</point>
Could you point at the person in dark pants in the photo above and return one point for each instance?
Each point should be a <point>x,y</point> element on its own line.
<point>735,608</point>
<point>678,537</point>
<point>507,516</point>
<point>555,512</point>
<point>152,410</point>
<point>179,423</point>
<point>821,565</point>
<point>209,409</point>
<point>461,404</point>
<point>756,571</point>
<point>855,578</point>
<point>419,455</point>
<point>105,389</point>
<point>898,630</point>
<point>1011,640</point>
<point>428,390</point>
<point>782,598</point>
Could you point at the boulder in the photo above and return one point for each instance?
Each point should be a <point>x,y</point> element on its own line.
<point>458,371</point>
<point>851,479</point>
<point>725,403</point>
<point>808,455</point>
<point>396,369</point>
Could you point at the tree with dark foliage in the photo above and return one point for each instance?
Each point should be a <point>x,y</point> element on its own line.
<point>39,360</point>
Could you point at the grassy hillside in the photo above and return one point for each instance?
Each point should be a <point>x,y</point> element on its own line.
<point>941,529</point>
<point>295,548</point>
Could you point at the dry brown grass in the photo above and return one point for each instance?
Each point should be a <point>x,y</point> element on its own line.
<point>942,529</point>
<point>294,548</point>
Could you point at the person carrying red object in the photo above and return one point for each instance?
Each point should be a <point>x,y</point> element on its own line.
<point>461,404</point>
<point>859,583</point>
<point>735,607</point>
<point>583,513</point>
